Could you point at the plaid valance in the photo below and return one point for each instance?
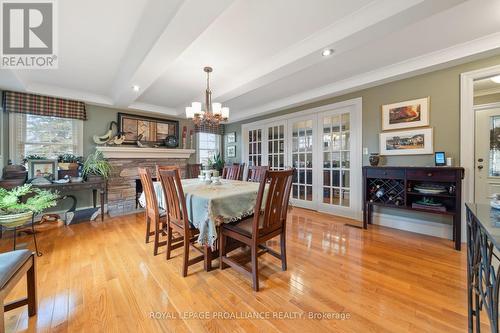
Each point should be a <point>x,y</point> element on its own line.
<point>43,105</point>
<point>205,128</point>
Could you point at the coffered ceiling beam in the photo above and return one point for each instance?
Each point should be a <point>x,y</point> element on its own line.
<point>175,30</point>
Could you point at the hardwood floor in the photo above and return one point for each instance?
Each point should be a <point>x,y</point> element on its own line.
<point>102,277</point>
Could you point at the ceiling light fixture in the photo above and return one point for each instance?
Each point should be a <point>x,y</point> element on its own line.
<point>495,79</point>
<point>327,52</point>
<point>136,88</point>
<point>213,113</point>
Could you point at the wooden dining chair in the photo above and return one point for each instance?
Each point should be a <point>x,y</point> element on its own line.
<point>231,172</point>
<point>241,171</point>
<point>166,167</point>
<point>256,173</point>
<point>177,218</point>
<point>193,170</point>
<point>152,211</point>
<point>264,225</point>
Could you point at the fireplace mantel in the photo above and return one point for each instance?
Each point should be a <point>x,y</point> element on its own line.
<point>136,152</point>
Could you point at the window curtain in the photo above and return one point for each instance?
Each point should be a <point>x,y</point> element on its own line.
<point>17,102</point>
<point>209,129</point>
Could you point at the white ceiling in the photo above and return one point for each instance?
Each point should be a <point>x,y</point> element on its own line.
<point>266,54</point>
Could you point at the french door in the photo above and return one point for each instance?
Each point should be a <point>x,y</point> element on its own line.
<point>323,145</point>
<point>301,143</point>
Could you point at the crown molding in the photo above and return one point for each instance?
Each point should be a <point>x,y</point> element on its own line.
<point>444,58</point>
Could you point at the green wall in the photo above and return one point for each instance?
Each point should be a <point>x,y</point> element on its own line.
<point>443,87</point>
<point>100,117</point>
<point>98,122</point>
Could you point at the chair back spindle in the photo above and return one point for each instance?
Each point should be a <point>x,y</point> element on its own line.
<point>273,215</point>
<point>231,172</point>
<point>257,173</point>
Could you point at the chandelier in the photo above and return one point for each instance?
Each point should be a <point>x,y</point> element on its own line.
<point>213,113</point>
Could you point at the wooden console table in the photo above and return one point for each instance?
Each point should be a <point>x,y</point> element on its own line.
<point>94,185</point>
<point>394,187</point>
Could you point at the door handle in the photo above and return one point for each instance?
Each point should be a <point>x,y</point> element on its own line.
<point>479,167</point>
<point>480,160</point>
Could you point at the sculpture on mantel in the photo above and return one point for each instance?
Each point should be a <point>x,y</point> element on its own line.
<point>143,144</point>
<point>109,138</point>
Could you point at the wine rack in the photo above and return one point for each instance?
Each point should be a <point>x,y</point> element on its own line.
<point>394,187</point>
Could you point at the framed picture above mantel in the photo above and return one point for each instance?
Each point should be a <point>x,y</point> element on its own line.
<point>154,130</point>
<point>407,114</point>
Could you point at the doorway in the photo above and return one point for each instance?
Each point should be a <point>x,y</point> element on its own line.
<point>323,145</point>
<point>487,152</point>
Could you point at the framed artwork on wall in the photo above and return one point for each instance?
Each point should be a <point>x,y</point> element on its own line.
<point>154,130</point>
<point>231,137</point>
<point>231,151</point>
<point>42,168</point>
<point>409,142</point>
<point>407,114</point>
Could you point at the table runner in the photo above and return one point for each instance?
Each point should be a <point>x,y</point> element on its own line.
<point>210,205</point>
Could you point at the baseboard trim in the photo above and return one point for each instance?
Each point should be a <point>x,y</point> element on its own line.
<point>441,230</point>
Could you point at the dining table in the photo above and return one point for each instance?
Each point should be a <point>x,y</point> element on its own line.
<point>211,204</point>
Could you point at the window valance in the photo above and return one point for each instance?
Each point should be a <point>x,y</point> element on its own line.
<point>43,105</point>
<point>205,128</point>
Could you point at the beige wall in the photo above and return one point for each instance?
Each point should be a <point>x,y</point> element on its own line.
<point>487,99</point>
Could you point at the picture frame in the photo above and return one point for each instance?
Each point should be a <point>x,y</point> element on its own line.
<point>153,130</point>
<point>231,137</point>
<point>408,114</point>
<point>231,151</point>
<point>408,142</point>
<point>42,168</point>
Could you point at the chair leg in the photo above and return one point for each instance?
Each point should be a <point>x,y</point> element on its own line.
<point>283,250</point>
<point>2,324</point>
<point>186,256</point>
<point>38,254</point>
<point>222,250</point>
<point>157,238</point>
<point>31,286</point>
<point>169,242</point>
<point>255,269</point>
<point>148,229</point>
<point>15,235</point>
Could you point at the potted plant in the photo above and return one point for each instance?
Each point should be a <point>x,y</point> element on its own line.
<point>96,167</point>
<point>68,161</point>
<point>216,163</point>
<point>14,212</point>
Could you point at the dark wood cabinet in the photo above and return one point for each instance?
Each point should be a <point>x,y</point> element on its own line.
<point>436,190</point>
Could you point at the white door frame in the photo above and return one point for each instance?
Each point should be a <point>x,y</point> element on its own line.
<point>467,131</point>
<point>297,202</point>
<point>356,161</point>
<point>356,141</point>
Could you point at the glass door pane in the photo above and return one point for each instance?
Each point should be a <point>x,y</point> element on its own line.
<point>255,147</point>
<point>302,159</point>
<point>276,147</point>
<point>336,159</point>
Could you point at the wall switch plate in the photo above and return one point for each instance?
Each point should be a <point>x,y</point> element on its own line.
<point>365,151</point>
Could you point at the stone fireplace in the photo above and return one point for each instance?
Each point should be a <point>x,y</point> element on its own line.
<point>125,161</point>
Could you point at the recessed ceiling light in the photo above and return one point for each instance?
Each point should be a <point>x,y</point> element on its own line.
<point>136,88</point>
<point>326,52</point>
<point>495,79</point>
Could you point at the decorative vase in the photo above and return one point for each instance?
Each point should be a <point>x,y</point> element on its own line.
<point>15,220</point>
<point>374,159</point>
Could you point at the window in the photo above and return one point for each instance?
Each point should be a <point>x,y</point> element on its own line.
<point>208,146</point>
<point>43,135</point>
